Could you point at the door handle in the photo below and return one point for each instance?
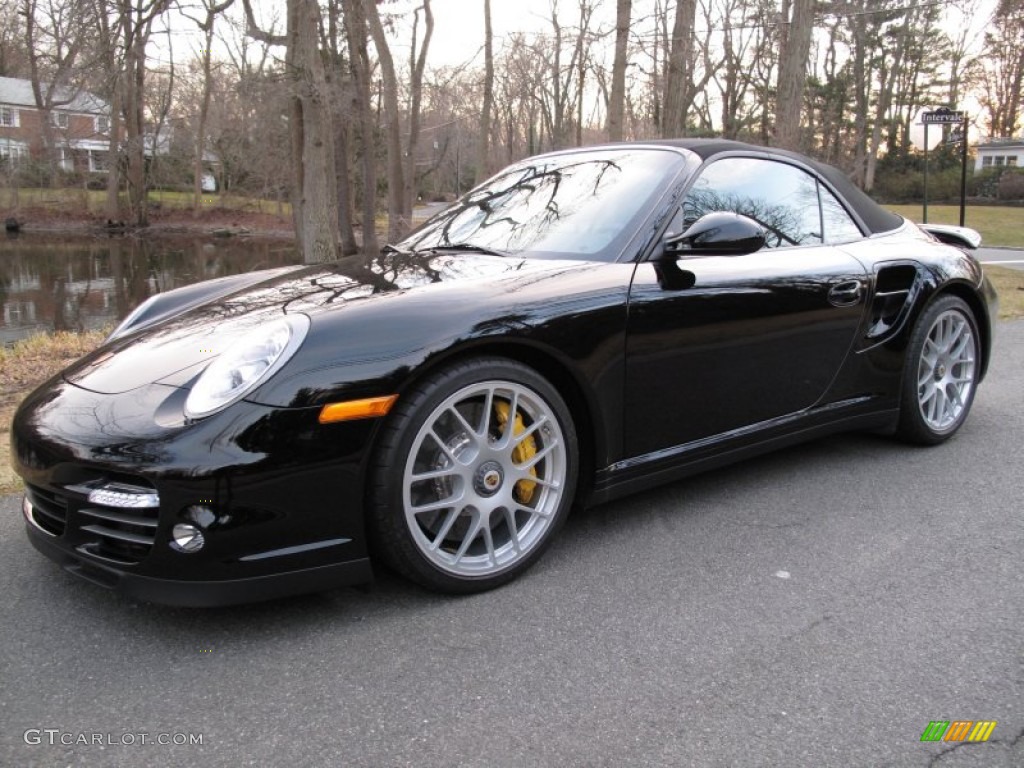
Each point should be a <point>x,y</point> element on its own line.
<point>845,294</point>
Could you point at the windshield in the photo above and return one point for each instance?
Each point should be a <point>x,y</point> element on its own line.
<point>579,205</point>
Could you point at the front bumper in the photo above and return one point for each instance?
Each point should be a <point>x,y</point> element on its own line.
<point>201,594</point>
<point>277,495</point>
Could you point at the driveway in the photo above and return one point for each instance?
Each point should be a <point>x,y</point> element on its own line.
<point>818,607</point>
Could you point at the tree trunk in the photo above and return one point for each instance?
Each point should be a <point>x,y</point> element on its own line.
<point>313,136</point>
<point>793,74</point>
<point>341,157</point>
<point>398,225</point>
<point>418,65</point>
<point>483,169</point>
<point>355,29</point>
<point>112,209</point>
<point>135,81</point>
<point>679,74</point>
<point>861,84</point>
<point>204,110</point>
<point>617,99</point>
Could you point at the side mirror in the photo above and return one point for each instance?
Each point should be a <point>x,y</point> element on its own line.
<point>718,234</point>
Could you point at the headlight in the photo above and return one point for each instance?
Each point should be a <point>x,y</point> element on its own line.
<point>252,359</point>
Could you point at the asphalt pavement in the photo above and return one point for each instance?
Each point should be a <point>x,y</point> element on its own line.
<point>1004,257</point>
<point>817,607</point>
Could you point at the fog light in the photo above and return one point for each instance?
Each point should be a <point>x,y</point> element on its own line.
<point>186,538</point>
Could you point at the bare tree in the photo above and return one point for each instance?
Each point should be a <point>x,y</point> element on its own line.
<point>356,31</point>
<point>13,51</point>
<point>398,225</point>
<point>1003,73</point>
<point>314,193</point>
<point>126,27</point>
<point>483,142</point>
<point>211,10</point>
<point>798,18</point>
<point>56,32</point>
<point>342,85</point>
<point>961,43</point>
<point>679,70</point>
<point>417,65</point>
<point>617,99</point>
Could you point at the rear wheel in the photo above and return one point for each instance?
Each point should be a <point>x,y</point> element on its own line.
<point>940,377</point>
<point>475,472</point>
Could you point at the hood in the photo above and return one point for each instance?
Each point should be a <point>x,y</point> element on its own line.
<point>177,349</point>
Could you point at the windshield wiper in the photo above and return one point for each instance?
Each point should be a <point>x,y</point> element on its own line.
<point>389,248</point>
<point>469,247</point>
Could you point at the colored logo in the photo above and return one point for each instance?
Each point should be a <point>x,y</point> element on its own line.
<point>958,730</point>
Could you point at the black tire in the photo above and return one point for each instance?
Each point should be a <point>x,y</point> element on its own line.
<point>453,503</point>
<point>940,374</point>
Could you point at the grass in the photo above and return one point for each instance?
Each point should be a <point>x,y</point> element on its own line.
<point>1010,285</point>
<point>24,367</point>
<point>998,225</point>
<point>93,201</point>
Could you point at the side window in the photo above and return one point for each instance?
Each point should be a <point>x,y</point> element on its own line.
<point>839,227</point>
<point>780,197</point>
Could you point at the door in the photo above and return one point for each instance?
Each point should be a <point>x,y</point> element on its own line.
<point>719,343</point>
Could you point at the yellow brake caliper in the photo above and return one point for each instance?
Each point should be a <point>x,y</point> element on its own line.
<point>523,452</point>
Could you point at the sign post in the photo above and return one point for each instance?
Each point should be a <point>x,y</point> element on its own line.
<point>947,116</point>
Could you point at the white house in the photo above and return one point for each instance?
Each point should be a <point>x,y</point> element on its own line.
<point>999,153</point>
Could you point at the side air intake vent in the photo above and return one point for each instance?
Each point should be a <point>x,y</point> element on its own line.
<point>895,287</point>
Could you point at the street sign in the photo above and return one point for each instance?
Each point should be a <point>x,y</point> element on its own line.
<point>942,116</point>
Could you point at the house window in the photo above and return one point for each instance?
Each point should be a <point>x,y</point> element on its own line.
<point>1012,161</point>
<point>97,161</point>
<point>12,152</point>
<point>102,124</point>
<point>986,162</point>
<point>60,119</point>
<point>8,117</point>
<point>66,159</point>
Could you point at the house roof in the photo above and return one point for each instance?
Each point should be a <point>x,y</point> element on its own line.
<point>18,92</point>
<point>1000,145</point>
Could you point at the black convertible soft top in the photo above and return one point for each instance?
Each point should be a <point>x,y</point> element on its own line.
<point>874,216</point>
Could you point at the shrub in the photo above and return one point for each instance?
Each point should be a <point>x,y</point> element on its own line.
<point>1011,185</point>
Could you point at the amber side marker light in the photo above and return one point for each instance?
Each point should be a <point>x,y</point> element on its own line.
<point>370,408</point>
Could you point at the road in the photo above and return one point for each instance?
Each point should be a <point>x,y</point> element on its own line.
<point>1004,257</point>
<point>818,607</point>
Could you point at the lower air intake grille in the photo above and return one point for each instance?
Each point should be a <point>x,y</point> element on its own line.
<point>117,520</point>
<point>49,510</point>
<point>109,520</point>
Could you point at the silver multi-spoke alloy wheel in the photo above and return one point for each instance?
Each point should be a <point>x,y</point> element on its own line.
<point>484,478</point>
<point>946,371</point>
<point>943,366</point>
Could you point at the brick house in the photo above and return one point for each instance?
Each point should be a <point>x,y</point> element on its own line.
<point>80,123</point>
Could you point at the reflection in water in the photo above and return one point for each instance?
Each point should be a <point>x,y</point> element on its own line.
<point>83,282</point>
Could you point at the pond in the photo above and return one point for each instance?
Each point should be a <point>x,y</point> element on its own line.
<point>82,282</point>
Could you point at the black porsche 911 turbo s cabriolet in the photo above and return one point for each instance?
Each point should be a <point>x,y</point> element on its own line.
<point>585,324</point>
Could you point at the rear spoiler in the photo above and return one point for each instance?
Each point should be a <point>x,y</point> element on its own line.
<point>947,233</point>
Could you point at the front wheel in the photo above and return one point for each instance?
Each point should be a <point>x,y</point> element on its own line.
<point>941,372</point>
<point>475,472</point>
